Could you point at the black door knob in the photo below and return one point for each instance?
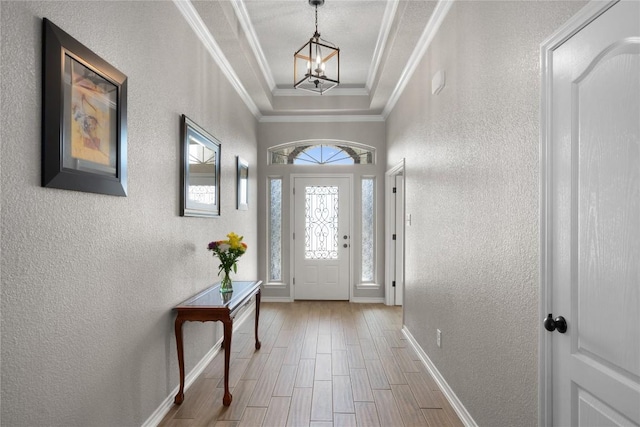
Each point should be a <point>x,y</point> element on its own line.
<point>559,323</point>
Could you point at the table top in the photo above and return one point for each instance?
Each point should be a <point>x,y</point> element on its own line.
<point>213,298</point>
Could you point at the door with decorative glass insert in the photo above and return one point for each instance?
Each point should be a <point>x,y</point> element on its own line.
<point>322,211</point>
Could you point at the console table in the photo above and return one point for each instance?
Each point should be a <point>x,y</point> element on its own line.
<point>211,305</point>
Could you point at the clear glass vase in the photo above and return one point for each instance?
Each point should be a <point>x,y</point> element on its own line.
<point>226,285</point>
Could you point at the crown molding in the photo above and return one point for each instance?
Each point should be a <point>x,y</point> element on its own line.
<point>243,17</point>
<point>440,12</point>
<point>198,26</point>
<point>383,36</point>
<point>323,119</point>
<point>195,22</point>
<point>338,91</point>
<point>245,21</point>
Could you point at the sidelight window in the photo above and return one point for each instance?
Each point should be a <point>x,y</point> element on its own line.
<point>275,229</point>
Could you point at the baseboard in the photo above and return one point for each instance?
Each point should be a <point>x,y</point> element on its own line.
<point>367,300</point>
<point>275,299</point>
<point>456,404</point>
<point>357,300</point>
<point>167,403</point>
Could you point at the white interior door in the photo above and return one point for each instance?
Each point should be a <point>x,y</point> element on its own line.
<point>322,239</point>
<point>399,246</point>
<point>593,214</point>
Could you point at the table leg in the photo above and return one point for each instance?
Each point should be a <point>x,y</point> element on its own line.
<point>180,396</point>
<point>258,344</point>
<point>228,327</point>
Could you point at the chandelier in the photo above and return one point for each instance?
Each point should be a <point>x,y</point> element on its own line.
<point>316,65</point>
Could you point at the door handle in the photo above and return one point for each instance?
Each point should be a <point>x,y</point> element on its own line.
<point>559,323</point>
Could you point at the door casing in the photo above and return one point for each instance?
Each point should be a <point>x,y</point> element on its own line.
<point>390,208</point>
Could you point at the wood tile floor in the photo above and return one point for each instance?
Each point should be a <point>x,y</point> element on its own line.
<point>322,363</point>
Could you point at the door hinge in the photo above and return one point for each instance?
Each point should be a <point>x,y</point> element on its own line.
<point>393,284</point>
<point>393,237</point>
<point>294,236</point>
<point>294,281</point>
<point>294,191</point>
<point>394,190</point>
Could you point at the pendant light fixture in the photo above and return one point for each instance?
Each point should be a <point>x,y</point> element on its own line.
<point>316,65</point>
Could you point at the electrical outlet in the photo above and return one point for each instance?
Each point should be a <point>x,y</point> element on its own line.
<point>439,337</point>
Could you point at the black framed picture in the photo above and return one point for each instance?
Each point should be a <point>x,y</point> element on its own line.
<point>199,171</point>
<point>84,118</point>
<point>242,180</point>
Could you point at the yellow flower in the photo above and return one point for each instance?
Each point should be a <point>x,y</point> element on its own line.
<point>234,241</point>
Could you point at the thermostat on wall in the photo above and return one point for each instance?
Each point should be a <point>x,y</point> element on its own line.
<point>437,83</point>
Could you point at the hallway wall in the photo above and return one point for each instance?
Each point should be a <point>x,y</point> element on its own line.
<point>88,280</point>
<point>472,191</point>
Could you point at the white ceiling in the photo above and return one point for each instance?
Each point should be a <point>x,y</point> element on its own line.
<point>254,42</point>
<point>283,27</point>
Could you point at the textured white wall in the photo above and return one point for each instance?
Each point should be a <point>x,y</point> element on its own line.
<point>472,190</point>
<point>369,133</point>
<point>89,281</point>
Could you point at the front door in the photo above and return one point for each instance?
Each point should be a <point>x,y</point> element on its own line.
<point>322,238</point>
<point>593,218</point>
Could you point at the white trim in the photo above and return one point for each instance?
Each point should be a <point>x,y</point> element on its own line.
<point>576,23</point>
<point>194,20</point>
<point>338,91</point>
<point>367,300</point>
<point>199,27</point>
<point>389,182</point>
<point>156,417</point>
<point>275,285</point>
<point>383,35</point>
<point>430,30</point>
<point>456,404</point>
<point>276,299</point>
<point>245,22</point>
<point>365,286</point>
<point>323,119</point>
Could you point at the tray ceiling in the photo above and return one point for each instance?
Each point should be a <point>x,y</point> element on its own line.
<point>254,42</point>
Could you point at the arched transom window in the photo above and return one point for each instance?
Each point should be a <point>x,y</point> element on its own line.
<point>322,153</point>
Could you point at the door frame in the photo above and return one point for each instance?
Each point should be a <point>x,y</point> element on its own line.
<point>292,258</point>
<point>389,225</point>
<point>545,361</point>
<point>400,219</point>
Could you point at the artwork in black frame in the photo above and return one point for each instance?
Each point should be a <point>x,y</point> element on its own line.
<point>199,171</point>
<point>84,117</point>
<point>242,180</point>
